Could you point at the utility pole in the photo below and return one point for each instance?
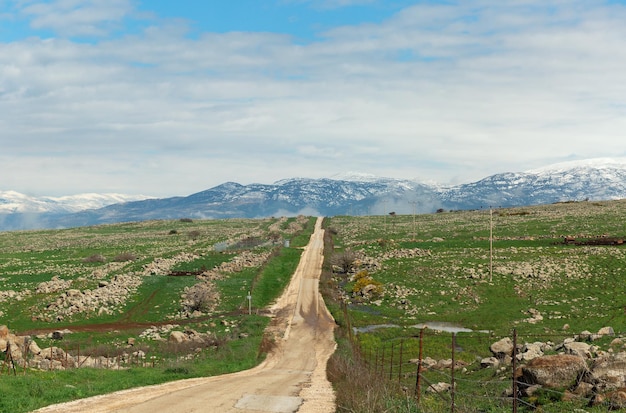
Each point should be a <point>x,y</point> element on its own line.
<point>490,244</point>
<point>414,203</point>
<point>385,217</point>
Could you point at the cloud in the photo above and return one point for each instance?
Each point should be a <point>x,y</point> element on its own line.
<point>77,17</point>
<point>448,92</point>
<point>331,4</point>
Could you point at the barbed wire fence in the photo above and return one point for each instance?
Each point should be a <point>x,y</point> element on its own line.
<point>459,382</point>
<point>442,372</point>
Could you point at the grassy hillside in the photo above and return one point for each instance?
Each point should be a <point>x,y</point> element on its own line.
<point>118,292</point>
<point>447,268</point>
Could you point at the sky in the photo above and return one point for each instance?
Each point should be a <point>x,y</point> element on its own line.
<point>168,98</point>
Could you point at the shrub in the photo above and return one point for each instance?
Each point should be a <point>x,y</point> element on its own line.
<point>344,261</point>
<point>363,279</point>
<point>201,297</point>
<point>125,256</point>
<point>95,258</point>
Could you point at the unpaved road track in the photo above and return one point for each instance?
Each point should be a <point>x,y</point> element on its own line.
<point>291,379</point>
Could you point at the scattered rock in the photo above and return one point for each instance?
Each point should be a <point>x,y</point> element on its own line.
<point>177,337</point>
<point>502,348</point>
<point>439,388</point>
<point>555,371</point>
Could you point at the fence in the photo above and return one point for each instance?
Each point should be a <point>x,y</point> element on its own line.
<point>445,371</point>
<point>59,355</point>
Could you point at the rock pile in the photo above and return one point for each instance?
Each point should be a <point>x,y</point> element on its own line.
<point>26,353</point>
<point>576,365</point>
<point>108,297</point>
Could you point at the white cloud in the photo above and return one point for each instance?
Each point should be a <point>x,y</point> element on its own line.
<point>438,91</point>
<point>77,17</point>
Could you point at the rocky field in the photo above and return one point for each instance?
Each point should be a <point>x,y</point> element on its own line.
<point>552,275</point>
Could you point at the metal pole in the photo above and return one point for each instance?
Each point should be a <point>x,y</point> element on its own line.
<point>418,379</point>
<point>400,364</point>
<point>490,244</point>
<point>514,368</point>
<point>391,363</point>
<point>452,372</point>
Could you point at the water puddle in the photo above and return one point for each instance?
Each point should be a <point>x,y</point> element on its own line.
<point>369,329</point>
<point>447,327</point>
<point>432,325</point>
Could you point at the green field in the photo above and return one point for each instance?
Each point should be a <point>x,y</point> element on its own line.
<point>112,289</point>
<point>485,274</point>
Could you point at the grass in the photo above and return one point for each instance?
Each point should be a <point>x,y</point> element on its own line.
<point>456,278</point>
<point>234,340</point>
<point>41,388</point>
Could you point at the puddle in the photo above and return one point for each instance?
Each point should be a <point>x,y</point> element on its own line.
<point>432,325</point>
<point>447,327</point>
<point>369,329</point>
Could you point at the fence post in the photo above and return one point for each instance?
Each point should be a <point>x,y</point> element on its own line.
<point>452,372</point>
<point>418,380</point>
<point>514,368</point>
<point>26,349</point>
<point>400,364</point>
<point>376,364</point>
<point>391,362</point>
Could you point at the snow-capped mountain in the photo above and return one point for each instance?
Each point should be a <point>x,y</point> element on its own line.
<point>15,202</point>
<point>352,193</point>
<point>595,179</point>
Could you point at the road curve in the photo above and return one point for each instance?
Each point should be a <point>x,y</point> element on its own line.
<point>291,379</point>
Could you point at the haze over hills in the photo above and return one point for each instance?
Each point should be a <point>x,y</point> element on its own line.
<point>352,194</point>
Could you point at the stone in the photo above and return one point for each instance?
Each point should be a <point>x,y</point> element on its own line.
<point>440,387</point>
<point>531,351</point>
<point>57,335</point>
<point>607,372</point>
<point>612,401</point>
<point>606,331</point>
<point>555,371</point>
<point>490,362</point>
<point>177,337</point>
<point>502,348</point>
<point>33,348</point>
<point>578,348</point>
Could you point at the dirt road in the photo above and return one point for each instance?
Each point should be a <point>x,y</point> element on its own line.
<point>291,379</point>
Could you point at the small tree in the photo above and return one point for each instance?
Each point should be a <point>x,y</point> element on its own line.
<point>201,297</point>
<point>344,261</point>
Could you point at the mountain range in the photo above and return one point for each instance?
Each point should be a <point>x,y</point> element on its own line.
<point>348,194</point>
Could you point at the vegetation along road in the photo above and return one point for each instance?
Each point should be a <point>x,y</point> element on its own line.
<point>292,377</point>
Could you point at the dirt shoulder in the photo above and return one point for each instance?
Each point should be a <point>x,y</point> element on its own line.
<point>292,378</point>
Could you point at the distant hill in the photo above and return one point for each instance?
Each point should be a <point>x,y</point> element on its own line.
<point>350,194</point>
